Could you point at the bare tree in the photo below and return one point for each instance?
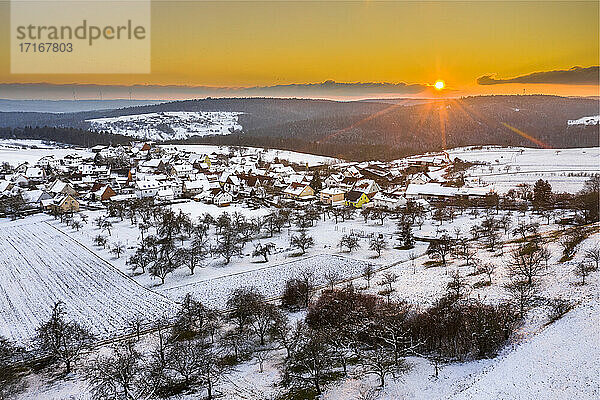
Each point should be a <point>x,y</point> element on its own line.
<point>261,356</point>
<point>526,262</point>
<point>368,273</point>
<point>441,248</point>
<point>349,241</point>
<point>593,255</point>
<point>100,240</point>
<point>243,303</point>
<point>211,371</point>
<point>106,226</point>
<point>117,375</point>
<point>117,249</point>
<point>284,332</point>
<point>380,361</point>
<point>378,244</point>
<point>63,340</point>
<point>11,377</point>
<point>332,277</point>
<point>262,319</point>
<point>228,244</point>
<point>76,225</point>
<point>413,258</point>
<point>583,269</point>
<point>302,242</point>
<point>387,281</point>
<point>488,269</point>
<point>263,250</point>
<point>522,294</point>
<point>160,269</point>
<point>456,287</point>
<point>311,361</point>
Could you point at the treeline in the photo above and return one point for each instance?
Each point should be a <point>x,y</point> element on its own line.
<point>344,150</point>
<point>345,331</point>
<point>72,136</point>
<point>371,130</point>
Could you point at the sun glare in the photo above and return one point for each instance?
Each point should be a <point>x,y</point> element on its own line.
<point>439,85</point>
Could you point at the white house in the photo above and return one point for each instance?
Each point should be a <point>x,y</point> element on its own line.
<point>222,199</point>
<point>430,191</point>
<point>147,188</point>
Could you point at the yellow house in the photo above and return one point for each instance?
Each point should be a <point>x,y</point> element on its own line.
<point>66,204</point>
<point>331,196</point>
<point>356,199</point>
<point>298,191</point>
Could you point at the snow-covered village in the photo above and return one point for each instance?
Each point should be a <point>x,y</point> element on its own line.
<point>299,200</point>
<point>187,271</point>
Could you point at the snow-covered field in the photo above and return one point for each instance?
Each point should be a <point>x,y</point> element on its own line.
<point>593,120</point>
<point>40,266</point>
<point>169,125</point>
<point>268,155</point>
<point>270,281</point>
<point>565,169</point>
<point>16,152</point>
<point>561,362</point>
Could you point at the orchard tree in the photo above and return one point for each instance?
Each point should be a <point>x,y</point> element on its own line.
<point>405,236</point>
<point>583,269</point>
<point>542,195</point>
<point>10,375</point>
<point>526,263</point>
<point>118,374</point>
<point>522,294</point>
<point>593,255</point>
<point>117,249</point>
<point>302,242</point>
<point>228,244</point>
<point>62,339</point>
<point>387,282</point>
<point>368,274</point>
<point>441,248</point>
<point>263,250</point>
<point>349,241</point>
<point>378,244</point>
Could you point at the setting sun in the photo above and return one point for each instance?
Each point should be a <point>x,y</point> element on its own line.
<point>439,85</point>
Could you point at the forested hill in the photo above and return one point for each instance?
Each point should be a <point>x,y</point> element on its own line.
<point>372,129</point>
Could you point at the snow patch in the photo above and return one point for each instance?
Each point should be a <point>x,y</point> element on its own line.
<point>170,125</point>
<point>593,120</point>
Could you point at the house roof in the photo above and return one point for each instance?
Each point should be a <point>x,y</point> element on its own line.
<point>353,195</point>
<point>295,188</point>
<point>148,184</point>
<point>430,189</point>
<point>332,191</point>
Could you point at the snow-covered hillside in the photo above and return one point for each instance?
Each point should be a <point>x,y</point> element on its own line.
<point>267,155</point>
<point>169,125</point>
<point>593,120</point>
<point>505,167</point>
<point>562,362</point>
<point>19,151</point>
<point>40,266</point>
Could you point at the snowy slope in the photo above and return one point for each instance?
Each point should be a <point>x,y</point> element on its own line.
<point>41,265</point>
<point>16,152</point>
<point>169,125</point>
<point>268,155</point>
<point>593,120</point>
<point>562,362</point>
<point>565,169</point>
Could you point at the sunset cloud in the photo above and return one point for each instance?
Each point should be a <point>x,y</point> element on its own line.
<point>573,76</point>
<point>325,89</point>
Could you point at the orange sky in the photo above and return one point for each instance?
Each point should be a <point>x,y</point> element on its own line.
<point>270,43</point>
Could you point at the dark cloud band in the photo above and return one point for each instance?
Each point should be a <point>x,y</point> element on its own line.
<point>573,76</point>
<point>326,88</point>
